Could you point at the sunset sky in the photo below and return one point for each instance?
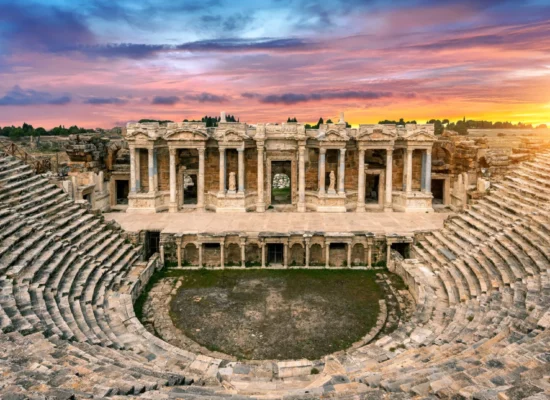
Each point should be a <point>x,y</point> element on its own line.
<point>103,63</point>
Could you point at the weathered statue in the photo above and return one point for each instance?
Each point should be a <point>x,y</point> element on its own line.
<point>332,182</point>
<point>232,182</point>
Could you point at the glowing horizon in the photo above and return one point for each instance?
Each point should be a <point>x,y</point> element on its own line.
<point>102,64</point>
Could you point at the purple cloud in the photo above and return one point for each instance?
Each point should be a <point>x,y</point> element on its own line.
<point>104,100</point>
<point>206,98</point>
<point>165,100</point>
<point>21,97</point>
<point>293,98</point>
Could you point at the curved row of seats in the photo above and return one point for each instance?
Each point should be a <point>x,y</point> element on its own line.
<point>479,329</point>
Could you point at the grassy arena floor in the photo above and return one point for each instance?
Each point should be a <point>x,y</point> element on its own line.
<point>275,314</point>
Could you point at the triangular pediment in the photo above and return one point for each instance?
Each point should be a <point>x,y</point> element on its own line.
<point>186,135</point>
<point>421,136</point>
<point>334,135</point>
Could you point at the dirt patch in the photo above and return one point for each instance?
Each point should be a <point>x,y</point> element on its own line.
<point>276,314</point>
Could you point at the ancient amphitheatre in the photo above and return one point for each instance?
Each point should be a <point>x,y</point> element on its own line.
<point>453,230</point>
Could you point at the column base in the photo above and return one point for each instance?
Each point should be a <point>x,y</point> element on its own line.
<point>360,208</point>
<point>388,208</point>
<point>173,208</point>
<point>260,207</point>
<point>301,207</point>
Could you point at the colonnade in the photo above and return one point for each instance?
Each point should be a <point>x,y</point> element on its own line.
<point>263,244</point>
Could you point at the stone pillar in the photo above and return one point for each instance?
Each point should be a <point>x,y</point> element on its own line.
<point>301,179</point>
<point>243,255</point>
<point>100,183</point>
<point>178,244</point>
<point>285,255</point>
<point>162,255</point>
<point>156,170</point>
<point>423,172</point>
<point>151,170</point>
<point>200,179</point>
<point>342,171</point>
<point>260,204</point>
<point>263,254</point>
<point>327,254</point>
<point>408,187</point>
<point>369,255</point>
<point>428,172</point>
<point>321,167</point>
<point>307,244</point>
<point>200,254</point>
<point>388,255</point>
<point>173,206</point>
<point>240,153</point>
<point>137,170</point>
<point>389,180</point>
<point>133,177</point>
<point>350,246</point>
<point>361,183</point>
<point>223,186</point>
<point>222,254</point>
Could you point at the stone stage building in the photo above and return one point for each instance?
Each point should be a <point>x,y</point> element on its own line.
<point>237,167</point>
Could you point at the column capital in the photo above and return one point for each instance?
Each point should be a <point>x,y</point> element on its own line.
<point>322,150</point>
<point>343,150</point>
<point>240,149</point>
<point>221,149</point>
<point>172,151</point>
<point>429,151</point>
<point>201,150</point>
<point>410,150</point>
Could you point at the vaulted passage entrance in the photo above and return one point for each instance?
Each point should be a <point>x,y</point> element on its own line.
<point>281,185</point>
<point>275,253</point>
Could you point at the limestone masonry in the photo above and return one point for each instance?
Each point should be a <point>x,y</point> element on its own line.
<point>477,269</point>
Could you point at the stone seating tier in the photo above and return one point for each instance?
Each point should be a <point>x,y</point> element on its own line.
<point>479,329</point>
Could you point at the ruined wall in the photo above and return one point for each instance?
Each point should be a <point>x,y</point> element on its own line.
<point>352,170</point>
<point>311,169</point>
<point>163,167</point>
<point>251,168</point>
<point>211,169</point>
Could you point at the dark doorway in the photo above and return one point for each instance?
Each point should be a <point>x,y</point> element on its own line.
<point>88,198</point>
<point>275,253</point>
<point>190,189</point>
<point>372,184</point>
<point>438,190</point>
<point>402,248</point>
<point>122,190</point>
<point>152,243</point>
<point>281,185</point>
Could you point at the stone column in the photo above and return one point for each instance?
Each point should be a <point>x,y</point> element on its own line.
<point>178,244</point>
<point>388,255</point>
<point>285,255</point>
<point>222,254</point>
<point>327,254</point>
<point>260,204</point>
<point>223,186</point>
<point>301,179</point>
<point>243,255</point>
<point>138,170</point>
<point>361,182</point>
<point>162,255</point>
<point>408,187</point>
<point>389,180</point>
<point>263,254</point>
<point>173,206</point>
<point>350,246</point>
<point>307,244</point>
<point>240,153</point>
<point>342,171</point>
<point>423,172</point>
<point>369,255</point>
<point>156,170</point>
<point>151,170</point>
<point>200,254</point>
<point>132,169</point>
<point>428,172</point>
<point>200,183</point>
<point>321,167</point>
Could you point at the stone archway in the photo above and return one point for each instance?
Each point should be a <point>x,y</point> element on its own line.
<point>297,256</point>
<point>190,254</point>
<point>358,255</point>
<point>316,256</point>
<point>253,255</point>
<point>233,255</point>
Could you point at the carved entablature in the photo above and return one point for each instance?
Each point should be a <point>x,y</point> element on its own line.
<point>287,131</point>
<point>186,132</point>
<point>231,134</point>
<point>333,133</point>
<point>418,136</point>
<point>143,134</point>
<point>376,133</point>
